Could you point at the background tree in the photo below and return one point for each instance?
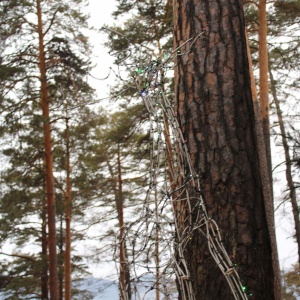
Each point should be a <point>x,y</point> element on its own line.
<point>291,289</point>
<point>119,150</point>
<point>23,204</point>
<point>262,129</point>
<point>284,19</point>
<point>36,50</point>
<point>71,94</point>
<point>140,44</point>
<point>283,23</point>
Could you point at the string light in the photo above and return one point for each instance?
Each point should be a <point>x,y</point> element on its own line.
<point>172,177</point>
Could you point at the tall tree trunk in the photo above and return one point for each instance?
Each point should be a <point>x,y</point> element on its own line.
<point>48,162</point>
<point>288,165</point>
<point>263,80</point>
<point>68,216</point>
<point>266,179</point>
<point>216,115</point>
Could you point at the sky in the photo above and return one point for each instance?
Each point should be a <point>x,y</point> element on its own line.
<point>100,14</point>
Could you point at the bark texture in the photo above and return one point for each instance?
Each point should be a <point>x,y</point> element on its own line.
<point>266,177</point>
<point>216,114</point>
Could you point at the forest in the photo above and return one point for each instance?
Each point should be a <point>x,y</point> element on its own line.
<point>178,181</point>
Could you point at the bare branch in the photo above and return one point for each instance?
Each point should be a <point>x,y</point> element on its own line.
<point>51,23</point>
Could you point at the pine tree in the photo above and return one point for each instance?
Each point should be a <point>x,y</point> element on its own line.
<point>119,154</point>
<point>262,129</point>
<point>34,45</point>
<point>70,92</point>
<point>23,220</point>
<point>213,100</point>
<point>283,60</point>
<point>282,23</point>
<point>149,41</point>
<point>291,287</point>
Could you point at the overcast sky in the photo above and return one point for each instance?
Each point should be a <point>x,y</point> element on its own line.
<point>100,14</point>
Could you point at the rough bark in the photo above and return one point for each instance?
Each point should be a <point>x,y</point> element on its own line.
<point>266,180</point>
<point>216,114</point>
<point>288,165</point>
<point>53,276</point>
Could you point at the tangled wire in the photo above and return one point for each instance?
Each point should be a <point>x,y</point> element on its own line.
<point>174,208</point>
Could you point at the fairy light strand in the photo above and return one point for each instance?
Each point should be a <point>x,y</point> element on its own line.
<point>169,159</point>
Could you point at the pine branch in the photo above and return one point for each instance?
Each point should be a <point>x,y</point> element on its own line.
<point>30,258</point>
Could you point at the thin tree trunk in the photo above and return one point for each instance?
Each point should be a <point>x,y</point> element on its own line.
<point>124,280</point>
<point>44,277</point>
<point>157,260</point>
<point>263,81</point>
<point>266,180</point>
<point>121,228</point>
<point>61,255</point>
<point>168,152</point>
<point>216,115</point>
<point>68,217</point>
<point>48,162</point>
<point>288,165</point>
